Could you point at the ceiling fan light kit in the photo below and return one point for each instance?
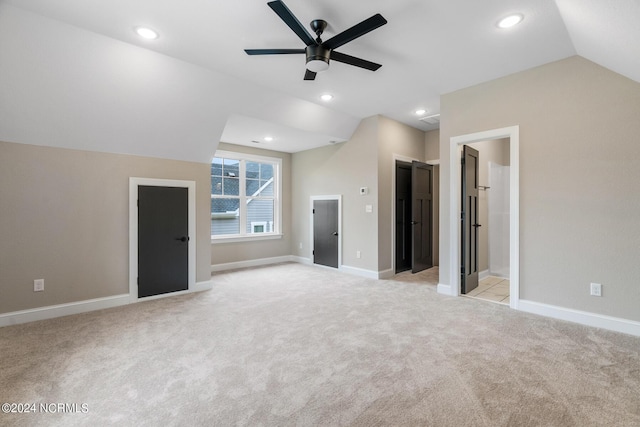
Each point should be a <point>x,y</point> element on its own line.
<point>317,58</point>
<point>319,53</point>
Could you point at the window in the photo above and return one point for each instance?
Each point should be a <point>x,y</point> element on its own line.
<point>245,196</point>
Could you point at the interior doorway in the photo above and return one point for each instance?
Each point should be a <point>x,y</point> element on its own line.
<point>413,216</point>
<point>511,134</point>
<point>485,220</point>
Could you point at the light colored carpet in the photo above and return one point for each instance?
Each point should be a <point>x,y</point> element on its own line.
<point>306,346</point>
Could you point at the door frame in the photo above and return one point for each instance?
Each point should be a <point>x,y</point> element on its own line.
<point>400,158</point>
<point>134,182</point>
<point>337,197</point>
<point>455,194</point>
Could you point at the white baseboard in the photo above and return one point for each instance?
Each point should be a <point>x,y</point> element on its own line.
<point>616,324</point>
<point>369,274</point>
<point>444,289</point>
<point>483,274</point>
<point>207,285</point>
<point>49,312</point>
<point>251,263</point>
<point>77,307</point>
<point>301,260</point>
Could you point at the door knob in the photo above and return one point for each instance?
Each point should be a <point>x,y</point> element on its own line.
<point>415,222</point>
<point>477,225</point>
<point>183,238</point>
<point>335,233</point>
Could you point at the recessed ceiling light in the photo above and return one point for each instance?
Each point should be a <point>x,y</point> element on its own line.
<point>420,111</point>
<point>510,21</point>
<point>326,97</point>
<point>146,33</point>
<point>268,138</point>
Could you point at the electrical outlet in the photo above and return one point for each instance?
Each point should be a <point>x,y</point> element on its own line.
<point>357,254</point>
<point>596,289</point>
<point>38,285</point>
<point>300,245</point>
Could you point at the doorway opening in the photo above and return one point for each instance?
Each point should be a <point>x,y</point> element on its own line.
<point>485,220</point>
<point>511,134</point>
<point>413,228</point>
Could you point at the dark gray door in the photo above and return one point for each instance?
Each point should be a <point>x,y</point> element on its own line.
<point>469,216</point>
<point>325,232</point>
<point>163,240</point>
<point>404,229</point>
<point>421,207</point>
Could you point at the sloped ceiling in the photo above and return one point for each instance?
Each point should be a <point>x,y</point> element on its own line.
<point>606,32</point>
<point>177,96</point>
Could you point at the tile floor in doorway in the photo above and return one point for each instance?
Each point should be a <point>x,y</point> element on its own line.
<point>492,288</point>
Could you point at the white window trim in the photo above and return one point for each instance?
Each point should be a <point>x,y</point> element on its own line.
<point>277,208</point>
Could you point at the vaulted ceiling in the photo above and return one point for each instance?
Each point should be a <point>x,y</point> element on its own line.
<point>428,48</point>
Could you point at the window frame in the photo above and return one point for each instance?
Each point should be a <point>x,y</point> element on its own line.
<point>244,235</point>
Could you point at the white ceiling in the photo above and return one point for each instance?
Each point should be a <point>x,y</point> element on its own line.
<point>428,48</point>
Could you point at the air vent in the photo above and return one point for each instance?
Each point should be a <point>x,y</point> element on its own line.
<point>433,119</point>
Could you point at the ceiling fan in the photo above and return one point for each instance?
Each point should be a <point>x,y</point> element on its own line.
<point>319,52</point>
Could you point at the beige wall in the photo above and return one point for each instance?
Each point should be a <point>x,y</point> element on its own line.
<point>579,147</point>
<point>341,169</point>
<point>64,217</point>
<point>222,253</point>
<point>366,160</point>
<point>395,138</point>
<point>432,145</point>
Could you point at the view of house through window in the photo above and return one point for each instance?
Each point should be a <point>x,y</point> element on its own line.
<point>244,195</point>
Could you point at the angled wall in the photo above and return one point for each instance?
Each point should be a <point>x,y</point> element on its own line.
<point>340,169</point>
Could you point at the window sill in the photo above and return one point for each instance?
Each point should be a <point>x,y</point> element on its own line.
<point>236,239</point>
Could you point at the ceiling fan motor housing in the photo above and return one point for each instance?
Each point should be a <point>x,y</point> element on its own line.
<point>317,58</point>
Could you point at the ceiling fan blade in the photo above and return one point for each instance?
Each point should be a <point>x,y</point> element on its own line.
<point>309,75</point>
<point>356,31</point>
<point>272,51</point>
<point>289,18</point>
<point>352,60</point>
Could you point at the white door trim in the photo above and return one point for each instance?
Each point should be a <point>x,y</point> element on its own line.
<point>134,182</point>
<point>456,142</point>
<point>331,197</point>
